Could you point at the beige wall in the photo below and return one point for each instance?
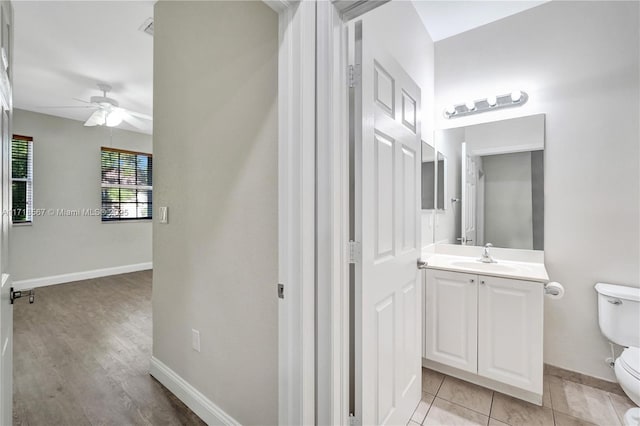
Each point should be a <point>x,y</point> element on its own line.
<point>579,63</point>
<point>66,175</point>
<point>215,160</point>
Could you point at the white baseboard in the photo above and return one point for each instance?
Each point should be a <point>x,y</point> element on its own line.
<point>79,276</point>
<point>196,401</point>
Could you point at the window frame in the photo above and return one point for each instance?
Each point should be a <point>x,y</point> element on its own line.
<point>28,180</point>
<point>136,187</point>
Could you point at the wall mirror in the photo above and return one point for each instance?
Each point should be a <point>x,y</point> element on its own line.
<point>441,182</point>
<point>502,183</point>
<point>428,176</point>
<point>434,166</point>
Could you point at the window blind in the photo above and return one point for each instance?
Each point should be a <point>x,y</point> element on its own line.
<point>127,187</point>
<point>22,179</point>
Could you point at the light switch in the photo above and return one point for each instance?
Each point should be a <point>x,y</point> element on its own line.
<point>164,214</point>
<point>195,340</point>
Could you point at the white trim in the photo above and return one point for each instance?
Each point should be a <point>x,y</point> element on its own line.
<point>299,47</point>
<point>280,6</point>
<point>192,397</point>
<point>296,211</point>
<point>332,288</point>
<point>79,276</point>
<point>351,9</point>
<point>481,152</point>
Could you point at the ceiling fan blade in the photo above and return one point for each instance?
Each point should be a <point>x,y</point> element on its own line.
<point>137,114</point>
<point>82,100</point>
<point>67,106</point>
<point>131,120</point>
<point>98,118</point>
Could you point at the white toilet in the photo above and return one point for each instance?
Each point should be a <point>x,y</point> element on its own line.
<point>619,319</point>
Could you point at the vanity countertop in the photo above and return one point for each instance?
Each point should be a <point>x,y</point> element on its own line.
<point>528,269</point>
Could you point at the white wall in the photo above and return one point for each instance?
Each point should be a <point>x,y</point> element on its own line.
<point>579,63</point>
<point>67,175</point>
<point>398,28</point>
<point>215,159</point>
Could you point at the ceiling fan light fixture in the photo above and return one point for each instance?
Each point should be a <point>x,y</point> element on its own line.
<point>114,118</point>
<point>108,113</point>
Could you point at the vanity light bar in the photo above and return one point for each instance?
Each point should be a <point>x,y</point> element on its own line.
<point>517,98</point>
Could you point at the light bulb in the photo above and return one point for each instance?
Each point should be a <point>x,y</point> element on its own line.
<point>516,95</point>
<point>451,110</point>
<point>492,101</point>
<point>471,105</point>
<point>114,118</point>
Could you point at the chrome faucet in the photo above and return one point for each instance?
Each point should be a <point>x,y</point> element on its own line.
<point>486,257</point>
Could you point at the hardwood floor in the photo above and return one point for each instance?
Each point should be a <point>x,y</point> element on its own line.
<point>81,357</point>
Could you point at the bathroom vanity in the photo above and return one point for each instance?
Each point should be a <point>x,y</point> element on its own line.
<point>483,322</point>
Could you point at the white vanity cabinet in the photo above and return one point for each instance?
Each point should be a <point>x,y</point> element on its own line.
<point>510,331</point>
<point>451,316</point>
<point>488,326</point>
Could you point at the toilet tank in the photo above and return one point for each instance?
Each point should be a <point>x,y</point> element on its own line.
<point>619,313</point>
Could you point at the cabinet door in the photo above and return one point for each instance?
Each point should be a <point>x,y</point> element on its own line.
<point>510,326</point>
<point>451,320</point>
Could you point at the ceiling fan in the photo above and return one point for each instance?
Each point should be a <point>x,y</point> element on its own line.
<point>107,111</point>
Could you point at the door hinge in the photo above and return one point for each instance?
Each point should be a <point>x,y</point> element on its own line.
<point>353,76</point>
<point>354,252</point>
<point>17,294</point>
<point>281,291</point>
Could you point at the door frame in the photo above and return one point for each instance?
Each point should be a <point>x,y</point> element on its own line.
<point>313,208</point>
<point>296,210</point>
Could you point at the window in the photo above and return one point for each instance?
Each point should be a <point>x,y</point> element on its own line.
<point>22,178</point>
<point>126,185</point>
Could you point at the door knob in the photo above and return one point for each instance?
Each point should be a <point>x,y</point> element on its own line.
<point>422,264</point>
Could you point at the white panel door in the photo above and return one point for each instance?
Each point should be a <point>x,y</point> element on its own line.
<point>510,327</point>
<point>6,309</point>
<point>451,313</point>
<point>387,223</point>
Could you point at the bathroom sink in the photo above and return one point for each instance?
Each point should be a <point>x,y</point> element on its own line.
<point>508,268</point>
<point>486,267</point>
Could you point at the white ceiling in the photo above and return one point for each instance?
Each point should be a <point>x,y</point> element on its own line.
<point>447,18</point>
<point>63,48</point>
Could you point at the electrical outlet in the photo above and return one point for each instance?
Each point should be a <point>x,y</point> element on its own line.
<point>195,340</point>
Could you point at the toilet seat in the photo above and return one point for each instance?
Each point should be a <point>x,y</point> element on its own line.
<point>630,361</point>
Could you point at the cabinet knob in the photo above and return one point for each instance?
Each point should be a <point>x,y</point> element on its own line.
<point>482,282</point>
<point>472,281</point>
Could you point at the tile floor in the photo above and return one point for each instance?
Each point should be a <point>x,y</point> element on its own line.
<point>453,402</point>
